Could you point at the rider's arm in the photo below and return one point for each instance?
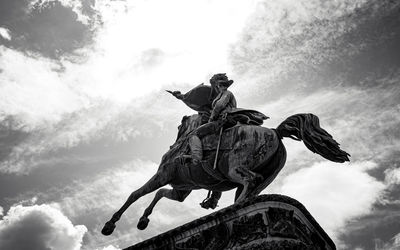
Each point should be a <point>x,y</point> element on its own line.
<point>220,105</point>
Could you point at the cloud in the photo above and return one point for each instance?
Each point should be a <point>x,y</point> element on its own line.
<point>5,33</point>
<point>111,247</point>
<point>283,34</point>
<point>392,176</point>
<point>1,211</point>
<point>105,120</point>
<point>396,242</point>
<point>303,46</point>
<point>333,193</point>
<point>39,227</point>
<point>80,8</point>
<point>70,99</point>
<point>32,92</point>
<point>49,28</point>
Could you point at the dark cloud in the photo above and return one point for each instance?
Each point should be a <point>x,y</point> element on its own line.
<point>48,28</point>
<point>377,229</point>
<point>11,11</point>
<point>382,226</point>
<point>11,134</point>
<point>352,50</point>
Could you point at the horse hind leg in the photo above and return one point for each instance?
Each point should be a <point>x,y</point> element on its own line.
<point>172,194</point>
<point>247,178</point>
<point>161,178</point>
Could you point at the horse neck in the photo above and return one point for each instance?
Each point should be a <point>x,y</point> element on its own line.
<point>186,128</point>
<point>175,150</point>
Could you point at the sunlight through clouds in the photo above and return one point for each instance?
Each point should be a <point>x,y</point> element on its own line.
<point>191,40</point>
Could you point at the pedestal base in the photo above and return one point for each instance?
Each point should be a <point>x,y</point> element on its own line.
<point>265,222</point>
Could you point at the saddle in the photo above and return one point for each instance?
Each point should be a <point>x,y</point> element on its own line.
<point>210,142</point>
<point>246,116</point>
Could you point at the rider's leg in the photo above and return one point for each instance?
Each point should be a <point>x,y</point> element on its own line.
<point>172,194</point>
<point>195,145</point>
<point>196,149</point>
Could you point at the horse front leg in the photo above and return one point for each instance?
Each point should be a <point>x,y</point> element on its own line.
<point>161,178</point>
<point>172,194</point>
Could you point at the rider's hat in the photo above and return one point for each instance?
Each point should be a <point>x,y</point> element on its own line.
<point>222,79</point>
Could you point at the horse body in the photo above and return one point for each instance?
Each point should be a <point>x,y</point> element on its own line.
<point>249,160</point>
<point>248,147</point>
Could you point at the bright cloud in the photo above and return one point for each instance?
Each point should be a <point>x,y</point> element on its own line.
<point>5,33</point>
<point>32,91</point>
<point>191,40</point>
<point>111,247</point>
<point>334,193</point>
<point>39,227</point>
<point>392,176</point>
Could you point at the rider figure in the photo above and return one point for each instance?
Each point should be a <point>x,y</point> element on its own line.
<point>223,103</point>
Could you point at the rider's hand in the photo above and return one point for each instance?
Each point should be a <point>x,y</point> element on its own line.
<point>177,94</point>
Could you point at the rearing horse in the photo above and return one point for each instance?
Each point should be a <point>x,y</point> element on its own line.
<point>250,159</point>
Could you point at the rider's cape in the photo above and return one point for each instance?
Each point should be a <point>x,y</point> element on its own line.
<point>200,98</point>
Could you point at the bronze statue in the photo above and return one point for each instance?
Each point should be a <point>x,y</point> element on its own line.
<point>249,156</point>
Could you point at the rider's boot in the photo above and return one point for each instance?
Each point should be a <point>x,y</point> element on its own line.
<point>196,149</point>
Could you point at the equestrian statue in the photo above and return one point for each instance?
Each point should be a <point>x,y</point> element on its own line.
<point>223,147</point>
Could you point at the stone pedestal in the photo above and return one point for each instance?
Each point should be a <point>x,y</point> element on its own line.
<point>265,222</point>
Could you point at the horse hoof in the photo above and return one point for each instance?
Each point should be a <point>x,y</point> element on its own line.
<point>143,222</point>
<point>209,203</point>
<point>108,228</point>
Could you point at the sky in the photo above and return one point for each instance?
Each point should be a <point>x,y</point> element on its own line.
<point>85,120</point>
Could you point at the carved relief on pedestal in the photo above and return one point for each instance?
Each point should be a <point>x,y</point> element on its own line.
<point>281,222</point>
<point>216,237</point>
<point>248,228</point>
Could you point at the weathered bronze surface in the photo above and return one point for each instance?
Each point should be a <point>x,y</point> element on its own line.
<point>250,158</point>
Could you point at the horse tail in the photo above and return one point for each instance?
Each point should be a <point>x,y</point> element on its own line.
<point>306,127</point>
